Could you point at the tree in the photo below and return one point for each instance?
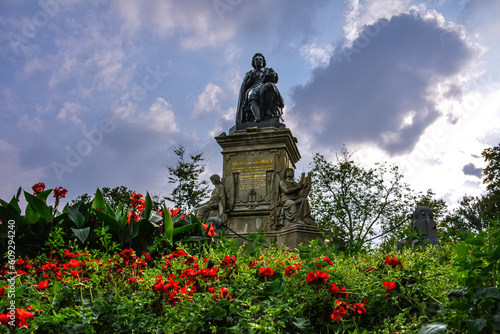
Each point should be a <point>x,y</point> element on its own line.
<point>350,201</point>
<point>189,191</point>
<point>491,201</point>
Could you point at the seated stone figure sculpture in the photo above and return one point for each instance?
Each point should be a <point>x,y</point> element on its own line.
<point>293,204</point>
<point>259,97</point>
<point>216,205</point>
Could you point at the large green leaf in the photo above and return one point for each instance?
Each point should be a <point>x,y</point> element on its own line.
<point>155,217</point>
<point>99,202</point>
<point>108,220</point>
<point>195,238</point>
<point>31,215</point>
<point>168,225</point>
<point>182,229</point>
<point>76,217</point>
<point>43,195</point>
<point>149,206</point>
<point>82,233</point>
<point>38,205</point>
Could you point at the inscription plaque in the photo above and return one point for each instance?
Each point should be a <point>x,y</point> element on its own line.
<point>252,178</point>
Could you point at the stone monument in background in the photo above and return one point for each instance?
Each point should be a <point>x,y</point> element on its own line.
<point>424,226</point>
<point>259,157</point>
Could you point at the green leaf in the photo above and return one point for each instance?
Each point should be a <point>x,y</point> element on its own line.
<point>38,205</point>
<point>155,217</point>
<point>31,215</point>
<point>476,325</point>
<point>435,327</point>
<point>301,323</point>
<point>460,249</point>
<point>76,217</point>
<point>275,288</point>
<point>82,234</point>
<point>475,241</point>
<point>490,293</point>
<point>99,202</point>
<point>496,253</point>
<point>119,209</point>
<point>168,225</point>
<point>108,220</point>
<point>149,206</point>
<point>183,229</point>
<point>14,204</point>
<point>195,238</point>
<point>43,195</point>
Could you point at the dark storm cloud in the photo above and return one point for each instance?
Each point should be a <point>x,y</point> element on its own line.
<point>389,74</point>
<point>470,169</point>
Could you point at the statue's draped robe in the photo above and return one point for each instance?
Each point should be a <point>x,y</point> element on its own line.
<point>216,206</point>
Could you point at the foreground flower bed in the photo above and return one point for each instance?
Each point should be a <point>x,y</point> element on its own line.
<point>228,290</point>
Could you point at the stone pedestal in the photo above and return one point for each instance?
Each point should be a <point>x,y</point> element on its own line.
<point>254,160</point>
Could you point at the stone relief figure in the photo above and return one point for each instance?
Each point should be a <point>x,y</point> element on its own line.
<point>422,220</point>
<point>259,97</point>
<point>292,206</point>
<point>216,205</point>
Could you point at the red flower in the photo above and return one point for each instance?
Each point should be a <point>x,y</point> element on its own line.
<point>323,261</point>
<point>317,276</point>
<point>74,263</point>
<point>228,261</point>
<point>60,192</point>
<point>389,285</point>
<point>175,212</point>
<point>392,262</point>
<point>211,231</point>
<point>2,292</point>
<point>222,293</point>
<point>76,273</point>
<point>339,311</point>
<point>266,272</point>
<point>4,319</point>
<point>333,288</point>
<point>42,285</point>
<point>177,253</point>
<point>21,316</point>
<point>359,308</point>
<point>38,188</point>
<point>289,271</point>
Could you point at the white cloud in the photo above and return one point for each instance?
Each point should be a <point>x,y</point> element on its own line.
<point>71,112</point>
<point>31,124</point>
<point>198,20</point>
<point>316,55</point>
<point>160,117</point>
<point>358,15</point>
<point>208,101</point>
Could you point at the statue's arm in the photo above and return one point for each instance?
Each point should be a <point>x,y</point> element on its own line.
<point>272,76</point>
<point>290,190</point>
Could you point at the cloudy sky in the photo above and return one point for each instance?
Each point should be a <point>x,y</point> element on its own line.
<point>96,93</point>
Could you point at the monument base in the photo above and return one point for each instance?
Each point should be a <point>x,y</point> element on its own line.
<point>290,236</point>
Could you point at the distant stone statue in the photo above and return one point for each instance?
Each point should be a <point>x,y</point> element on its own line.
<point>216,205</point>
<point>259,97</point>
<point>423,223</point>
<point>291,204</point>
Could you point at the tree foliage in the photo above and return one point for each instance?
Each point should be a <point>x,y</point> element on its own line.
<point>350,201</point>
<point>476,212</point>
<point>189,191</point>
